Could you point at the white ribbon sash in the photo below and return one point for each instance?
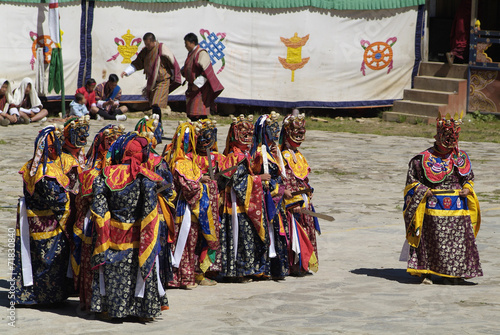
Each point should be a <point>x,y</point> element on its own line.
<point>140,284</point>
<point>272,249</point>
<point>265,159</point>
<point>306,201</point>
<point>405,252</point>
<point>161,291</point>
<point>69,272</point>
<point>86,222</point>
<point>182,239</point>
<point>281,163</point>
<point>295,241</point>
<point>234,217</point>
<point>25,244</point>
<point>102,288</point>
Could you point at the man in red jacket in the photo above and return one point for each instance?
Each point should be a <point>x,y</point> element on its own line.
<point>203,85</point>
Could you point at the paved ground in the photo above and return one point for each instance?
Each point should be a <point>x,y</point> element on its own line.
<point>361,287</point>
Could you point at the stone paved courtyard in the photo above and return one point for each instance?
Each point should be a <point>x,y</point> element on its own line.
<point>361,287</point>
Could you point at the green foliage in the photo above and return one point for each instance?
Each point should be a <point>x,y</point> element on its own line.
<point>478,116</point>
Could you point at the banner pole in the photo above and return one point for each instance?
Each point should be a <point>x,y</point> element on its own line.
<point>63,96</point>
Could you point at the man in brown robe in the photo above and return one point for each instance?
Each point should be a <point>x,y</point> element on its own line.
<point>162,73</point>
<point>203,85</point>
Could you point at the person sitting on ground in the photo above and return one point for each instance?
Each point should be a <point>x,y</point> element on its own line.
<point>108,96</point>
<point>5,101</point>
<point>78,106</point>
<point>27,104</point>
<point>89,94</point>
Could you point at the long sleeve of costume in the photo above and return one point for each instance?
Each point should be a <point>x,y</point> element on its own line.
<point>149,243</point>
<point>203,62</point>
<point>49,194</point>
<point>163,171</point>
<point>170,62</point>
<point>302,227</point>
<point>138,62</point>
<point>414,200</point>
<point>101,217</point>
<point>190,189</point>
<point>250,192</point>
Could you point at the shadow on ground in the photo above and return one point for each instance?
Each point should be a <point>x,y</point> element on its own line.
<point>70,307</point>
<point>399,275</point>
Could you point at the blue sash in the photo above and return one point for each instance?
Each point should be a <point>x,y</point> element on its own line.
<point>113,94</point>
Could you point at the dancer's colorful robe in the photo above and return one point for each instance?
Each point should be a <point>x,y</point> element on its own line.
<point>43,214</point>
<point>82,237</point>
<point>276,218</point>
<point>166,211</point>
<point>303,249</point>
<point>214,195</point>
<point>244,235</point>
<point>126,225</point>
<point>202,240</point>
<point>441,229</point>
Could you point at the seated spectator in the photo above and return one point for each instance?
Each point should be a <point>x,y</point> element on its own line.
<point>5,101</point>
<point>26,103</point>
<point>78,106</point>
<point>108,96</point>
<point>89,93</point>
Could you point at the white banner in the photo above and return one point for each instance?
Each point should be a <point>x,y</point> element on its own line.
<point>26,28</point>
<point>301,56</point>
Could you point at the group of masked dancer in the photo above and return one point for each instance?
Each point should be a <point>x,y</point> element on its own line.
<point>124,222</point>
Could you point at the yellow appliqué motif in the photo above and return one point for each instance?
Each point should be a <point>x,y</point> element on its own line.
<point>53,170</point>
<point>188,170</point>
<point>301,168</point>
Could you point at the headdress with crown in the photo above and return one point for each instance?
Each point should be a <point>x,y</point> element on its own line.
<point>102,142</point>
<point>448,129</point>
<point>293,126</point>
<point>48,136</point>
<point>149,125</point>
<point>266,129</point>
<point>183,142</point>
<point>118,148</point>
<point>76,131</point>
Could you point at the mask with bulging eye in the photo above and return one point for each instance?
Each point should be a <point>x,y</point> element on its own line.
<point>448,132</point>
<point>273,131</point>
<point>295,129</point>
<point>206,139</point>
<point>244,134</point>
<point>77,131</point>
<point>448,137</point>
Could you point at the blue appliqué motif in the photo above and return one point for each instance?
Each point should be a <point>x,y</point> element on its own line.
<point>437,165</point>
<point>214,47</point>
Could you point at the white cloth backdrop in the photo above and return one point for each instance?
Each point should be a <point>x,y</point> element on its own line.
<point>252,71</point>
<point>24,22</point>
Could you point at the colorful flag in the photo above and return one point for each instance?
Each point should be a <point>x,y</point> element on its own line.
<point>56,76</point>
<point>54,28</point>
